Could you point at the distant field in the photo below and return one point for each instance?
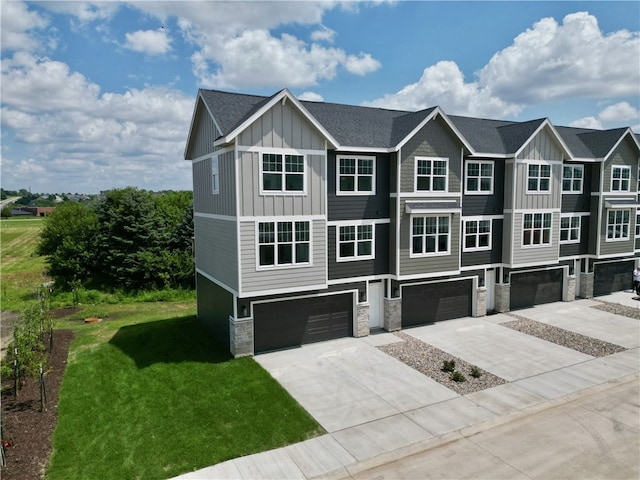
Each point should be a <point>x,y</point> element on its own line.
<point>22,270</point>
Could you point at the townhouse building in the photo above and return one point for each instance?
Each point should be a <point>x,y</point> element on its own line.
<point>315,221</point>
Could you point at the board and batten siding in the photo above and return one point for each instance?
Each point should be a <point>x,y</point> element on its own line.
<point>217,249</point>
<point>538,254</point>
<point>252,203</point>
<point>623,155</point>
<point>435,139</point>
<point>204,133</point>
<point>282,126</point>
<point>538,201</point>
<point>544,146</point>
<point>430,264</point>
<point>204,200</point>
<point>255,281</point>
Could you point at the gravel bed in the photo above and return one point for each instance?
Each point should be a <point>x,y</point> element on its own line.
<point>428,360</point>
<point>560,336</point>
<point>618,309</point>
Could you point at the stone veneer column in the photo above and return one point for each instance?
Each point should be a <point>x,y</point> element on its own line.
<point>392,314</point>
<point>480,309</point>
<point>569,295</point>
<point>362,320</point>
<point>503,297</point>
<point>241,336</point>
<point>586,285</point>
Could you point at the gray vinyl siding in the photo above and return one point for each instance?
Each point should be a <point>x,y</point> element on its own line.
<point>507,235</point>
<point>581,248</point>
<point>355,207</point>
<point>579,202</point>
<point>487,204</point>
<point>624,154</point>
<point>393,247</point>
<point>282,126</point>
<point>203,134</point>
<point>486,257</point>
<point>528,255</point>
<point>360,268</point>
<point>217,249</point>
<point>223,202</point>
<point>435,139</point>
<point>538,201</point>
<point>543,146</point>
<point>254,204</point>
<point>429,264</point>
<point>616,247</point>
<point>594,237</point>
<point>254,281</point>
<point>596,172</point>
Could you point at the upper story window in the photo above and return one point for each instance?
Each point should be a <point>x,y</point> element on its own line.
<point>618,225</point>
<point>538,178</point>
<point>356,175</point>
<point>355,242</point>
<point>432,174</point>
<point>430,235</point>
<point>283,244</point>
<point>215,175</point>
<point>572,176</point>
<point>536,229</point>
<point>620,178</point>
<point>569,229</point>
<point>477,235</point>
<point>479,177</point>
<point>282,173</point>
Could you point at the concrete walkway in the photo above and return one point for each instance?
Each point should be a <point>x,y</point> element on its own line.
<point>377,410</point>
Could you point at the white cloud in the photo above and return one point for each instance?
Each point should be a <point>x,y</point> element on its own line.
<point>572,60</point>
<point>443,84</point>
<point>18,24</point>
<point>84,11</point>
<point>311,97</point>
<point>620,112</point>
<point>361,64</point>
<point>151,42</point>
<point>324,34</point>
<point>587,122</point>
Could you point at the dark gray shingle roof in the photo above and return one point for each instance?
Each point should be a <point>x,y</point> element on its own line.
<point>588,143</point>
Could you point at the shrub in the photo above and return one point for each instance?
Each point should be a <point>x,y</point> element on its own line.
<point>475,372</point>
<point>457,376</point>
<point>448,365</point>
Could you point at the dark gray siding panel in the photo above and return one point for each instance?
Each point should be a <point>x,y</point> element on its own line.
<point>490,256</point>
<point>356,207</point>
<point>487,204</point>
<point>582,248</point>
<point>579,202</point>
<point>378,266</point>
<point>215,305</point>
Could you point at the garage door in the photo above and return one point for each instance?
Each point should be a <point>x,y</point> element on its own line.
<point>533,288</point>
<point>292,323</point>
<point>436,301</point>
<point>612,277</point>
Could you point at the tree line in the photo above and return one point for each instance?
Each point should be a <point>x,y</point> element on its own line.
<point>127,239</point>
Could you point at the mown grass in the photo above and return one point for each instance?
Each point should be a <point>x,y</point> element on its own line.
<point>149,394</point>
<point>21,269</point>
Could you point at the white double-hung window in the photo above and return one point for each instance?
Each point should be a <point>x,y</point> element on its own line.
<point>477,235</point>
<point>431,174</point>
<point>538,178</point>
<point>355,242</point>
<point>356,175</point>
<point>282,244</point>
<point>620,178</point>
<point>536,229</point>
<point>618,225</point>
<point>282,173</point>
<point>478,177</point>
<point>430,235</point>
<point>215,175</point>
<point>572,177</point>
<point>570,229</point>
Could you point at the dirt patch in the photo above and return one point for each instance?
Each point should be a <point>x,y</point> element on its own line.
<point>26,428</point>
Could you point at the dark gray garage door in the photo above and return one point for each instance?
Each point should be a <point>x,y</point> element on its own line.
<point>612,277</point>
<point>436,301</point>
<point>533,288</point>
<point>292,323</point>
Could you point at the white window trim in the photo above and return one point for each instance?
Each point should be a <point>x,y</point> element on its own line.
<point>285,266</point>
<point>466,172</point>
<point>415,176</point>
<point>429,254</point>
<point>356,192</point>
<point>215,174</point>
<point>283,192</point>
<point>464,234</point>
<point>621,167</point>
<point>538,191</point>
<point>637,230</point>
<point>563,242</point>
<point>537,245</point>
<point>356,257</point>
<point>571,190</point>
<point>621,239</point>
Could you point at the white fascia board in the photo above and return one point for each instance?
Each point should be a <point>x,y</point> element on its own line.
<point>348,149</point>
<point>436,111</point>
<point>490,155</point>
<point>546,123</point>
<point>283,95</point>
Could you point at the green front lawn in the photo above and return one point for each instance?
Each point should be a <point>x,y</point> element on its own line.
<point>149,394</point>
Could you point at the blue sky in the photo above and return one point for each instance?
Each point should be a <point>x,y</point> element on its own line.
<point>99,95</point>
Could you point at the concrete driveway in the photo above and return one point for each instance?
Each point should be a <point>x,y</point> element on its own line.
<point>373,405</point>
